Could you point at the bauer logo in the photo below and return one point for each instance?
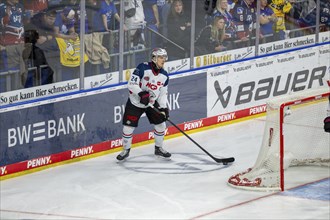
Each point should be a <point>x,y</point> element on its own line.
<point>223,95</point>
<point>325,51</point>
<point>45,130</point>
<point>269,87</point>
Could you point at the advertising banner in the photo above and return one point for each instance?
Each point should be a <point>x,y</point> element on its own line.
<point>324,37</point>
<point>79,124</point>
<point>251,83</point>
<point>223,57</point>
<point>286,44</point>
<point>56,127</point>
<point>55,89</point>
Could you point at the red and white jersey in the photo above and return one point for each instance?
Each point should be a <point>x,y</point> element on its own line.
<point>144,78</point>
<point>11,23</point>
<point>35,5</point>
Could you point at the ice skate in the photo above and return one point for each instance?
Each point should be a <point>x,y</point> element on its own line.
<point>124,154</point>
<point>159,151</point>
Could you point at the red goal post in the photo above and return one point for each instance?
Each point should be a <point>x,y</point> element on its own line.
<point>293,136</point>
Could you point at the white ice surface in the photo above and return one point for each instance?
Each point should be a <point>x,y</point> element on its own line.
<point>189,186</point>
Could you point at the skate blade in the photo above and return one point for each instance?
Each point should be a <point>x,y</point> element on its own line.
<point>121,161</point>
<point>163,158</point>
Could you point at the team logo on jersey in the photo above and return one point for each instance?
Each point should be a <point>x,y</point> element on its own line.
<point>151,86</point>
<point>146,78</point>
<point>239,10</point>
<point>132,118</point>
<point>69,49</point>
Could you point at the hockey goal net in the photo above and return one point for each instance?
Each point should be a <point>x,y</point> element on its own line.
<point>293,136</point>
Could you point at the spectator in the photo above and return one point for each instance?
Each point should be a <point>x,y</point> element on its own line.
<point>231,4</point>
<point>178,30</point>
<point>12,17</point>
<point>64,24</point>
<point>325,15</point>
<point>35,6</point>
<point>160,5</point>
<point>307,16</point>
<point>135,22</point>
<point>39,72</point>
<point>280,8</point>
<point>244,16</point>
<point>43,23</point>
<point>92,8</point>
<point>75,5</point>
<point>108,15</point>
<point>166,8</point>
<point>40,33</point>
<point>267,21</point>
<point>54,4</point>
<point>211,38</point>
<point>153,21</point>
<point>69,44</point>
<point>221,9</point>
<point>105,20</point>
<point>200,15</point>
<point>209,6</point>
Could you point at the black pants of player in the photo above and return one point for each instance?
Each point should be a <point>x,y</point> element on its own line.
<point>133,114</point>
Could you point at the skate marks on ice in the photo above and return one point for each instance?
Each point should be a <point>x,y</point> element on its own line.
<point>180,163</point>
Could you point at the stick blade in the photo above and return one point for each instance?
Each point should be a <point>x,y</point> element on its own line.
<point>225,161</point>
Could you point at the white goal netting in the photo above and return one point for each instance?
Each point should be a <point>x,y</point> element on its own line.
<point>293,136</point>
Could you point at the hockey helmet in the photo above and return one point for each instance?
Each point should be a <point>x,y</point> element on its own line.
<point>158,52</point>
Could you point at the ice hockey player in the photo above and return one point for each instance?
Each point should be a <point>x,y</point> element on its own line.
<point>327,119</point>
<point>147,85</point>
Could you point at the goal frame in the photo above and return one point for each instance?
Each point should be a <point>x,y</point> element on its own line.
<point>281,121</point>
<point>250,179</point>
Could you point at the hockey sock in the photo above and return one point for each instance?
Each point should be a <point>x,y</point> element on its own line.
<point>127,136</point>
<point>159,133</point>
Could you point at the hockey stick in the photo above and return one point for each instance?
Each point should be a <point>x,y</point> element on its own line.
<point>224,161</point>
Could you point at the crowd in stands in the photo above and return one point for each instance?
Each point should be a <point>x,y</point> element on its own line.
<point>40,39</point>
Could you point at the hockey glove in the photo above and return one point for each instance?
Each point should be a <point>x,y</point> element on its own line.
<point>327,124</point>
<point>164,113</point>
<point>144,97</point>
